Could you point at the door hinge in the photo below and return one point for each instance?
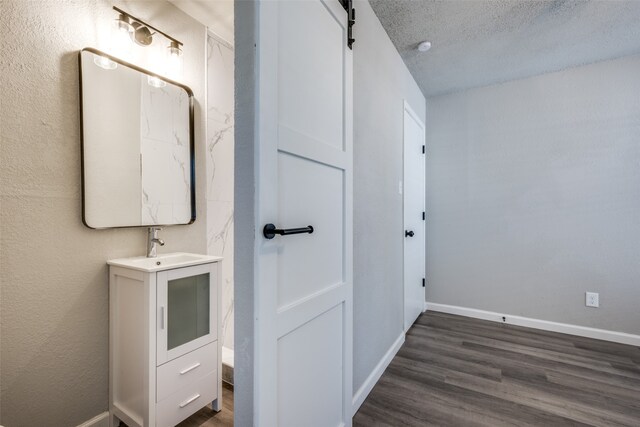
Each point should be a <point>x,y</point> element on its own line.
<point>424,282</point>
<point>424,149</point>
<point>351,20</point>
<point>424,216</point>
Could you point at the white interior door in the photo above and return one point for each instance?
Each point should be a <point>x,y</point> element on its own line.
<point>414,216</point>
<point>304,289</point>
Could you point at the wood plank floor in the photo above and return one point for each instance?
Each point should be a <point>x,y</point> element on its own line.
<point>457,371</point>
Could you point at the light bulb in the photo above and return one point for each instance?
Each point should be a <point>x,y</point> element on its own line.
<point>104,62</point>
<point>174,49</point>
<point>174,61</point>
<point>156,81</point>
<point>124,25</point>
<point>121,43</point>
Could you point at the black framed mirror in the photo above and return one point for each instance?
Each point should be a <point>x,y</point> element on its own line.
<point>137,145</point>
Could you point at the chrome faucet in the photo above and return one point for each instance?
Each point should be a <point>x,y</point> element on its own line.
<point>152,240</point>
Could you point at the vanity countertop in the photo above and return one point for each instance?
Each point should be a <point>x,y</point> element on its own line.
<point>163,261</point>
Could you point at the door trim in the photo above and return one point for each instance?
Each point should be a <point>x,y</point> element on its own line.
<point>421,123</point>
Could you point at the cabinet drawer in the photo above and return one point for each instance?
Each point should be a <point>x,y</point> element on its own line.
<point>186,401</point>
<point>185,370</point>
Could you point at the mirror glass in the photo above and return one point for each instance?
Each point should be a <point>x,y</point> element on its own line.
<point>137,146</point>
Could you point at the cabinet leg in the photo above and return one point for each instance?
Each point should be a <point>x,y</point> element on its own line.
<point>113,420</point>
<point>217,405</point>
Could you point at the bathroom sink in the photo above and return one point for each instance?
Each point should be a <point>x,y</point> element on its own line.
<point>163,261</point>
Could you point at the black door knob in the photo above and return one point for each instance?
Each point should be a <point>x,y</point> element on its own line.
<point>408,233</point>
<point>269,231</point>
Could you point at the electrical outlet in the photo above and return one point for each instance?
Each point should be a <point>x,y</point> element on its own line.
<point>592,299</point>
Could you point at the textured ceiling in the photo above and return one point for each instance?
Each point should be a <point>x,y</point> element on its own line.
<point>482,42</point>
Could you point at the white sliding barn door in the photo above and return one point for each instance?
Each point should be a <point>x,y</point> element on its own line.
<point>414,217</point>
<point>304,281</point>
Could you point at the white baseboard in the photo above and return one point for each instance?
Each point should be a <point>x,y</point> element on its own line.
<point>565,328</point>
<point>101,420</point>
<point>375,375</point>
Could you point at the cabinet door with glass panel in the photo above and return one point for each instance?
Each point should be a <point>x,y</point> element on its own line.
<point>187,307</point>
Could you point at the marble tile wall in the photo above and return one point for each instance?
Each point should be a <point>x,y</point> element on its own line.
<point>220,171</point>
<point>164,148</point>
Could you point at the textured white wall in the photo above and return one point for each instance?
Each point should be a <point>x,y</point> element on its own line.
<point>533,194</point>
<point>381,84</point>
<point>53,275</point>
<point>217,15</point>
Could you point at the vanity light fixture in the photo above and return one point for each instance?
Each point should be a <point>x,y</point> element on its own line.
<point>141,33</point>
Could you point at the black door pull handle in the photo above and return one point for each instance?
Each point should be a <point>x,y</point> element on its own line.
<point>269,231</point>
<point>408,233</point>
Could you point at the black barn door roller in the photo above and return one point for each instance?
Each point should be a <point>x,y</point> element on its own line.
<point>351,15</point>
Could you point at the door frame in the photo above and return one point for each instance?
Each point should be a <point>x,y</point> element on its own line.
<point>407,109</point>
<point>247,143</point>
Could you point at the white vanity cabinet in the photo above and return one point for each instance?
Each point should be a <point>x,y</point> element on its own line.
<point>164,353</point>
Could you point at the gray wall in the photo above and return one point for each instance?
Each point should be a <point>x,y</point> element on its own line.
<point>533,196</point>
<point>53,275</point>
<point>381,84</point>
<point>245,63</point>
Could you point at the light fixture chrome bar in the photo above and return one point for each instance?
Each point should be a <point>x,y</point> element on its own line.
<point>147,25</point>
